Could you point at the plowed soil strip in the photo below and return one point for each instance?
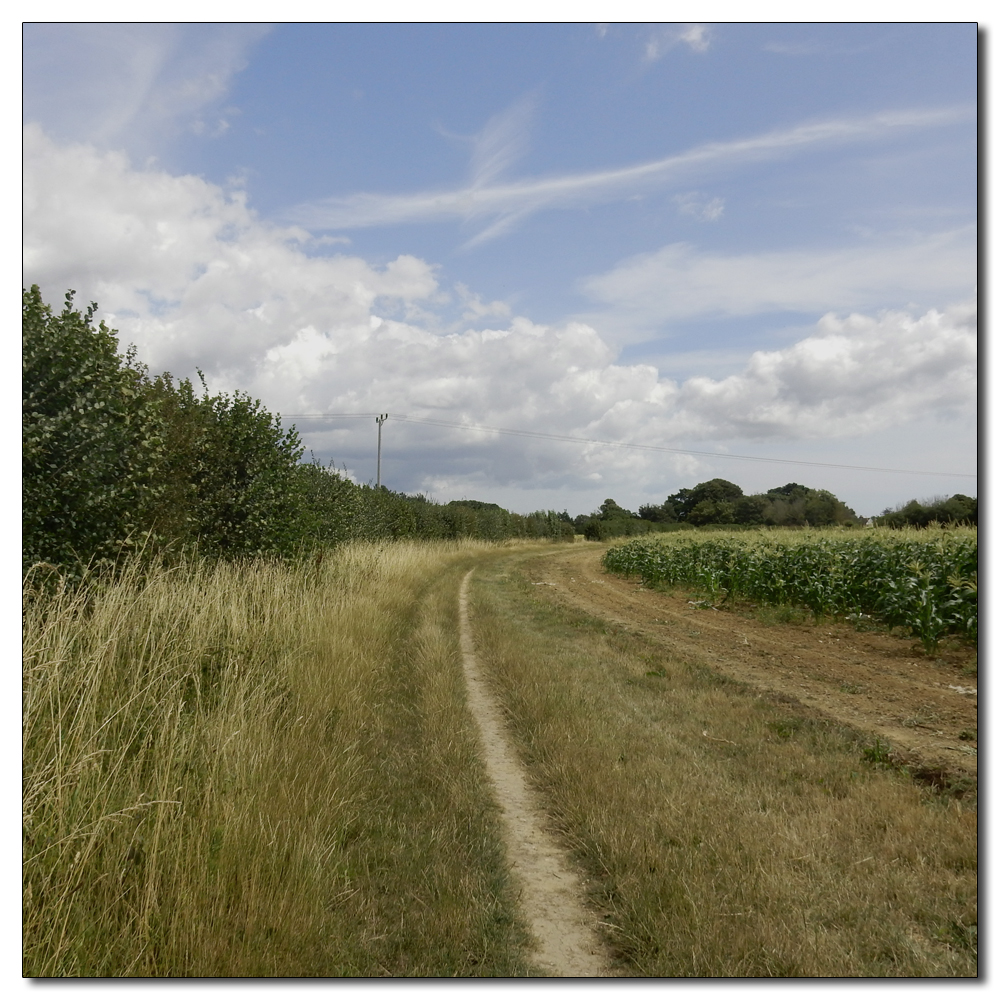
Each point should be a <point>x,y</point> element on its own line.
<point>551,892</point>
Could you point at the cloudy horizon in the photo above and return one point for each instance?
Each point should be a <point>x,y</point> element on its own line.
<point>684,236</point>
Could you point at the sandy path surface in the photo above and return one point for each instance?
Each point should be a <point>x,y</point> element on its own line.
<point>551,891</point>
<point>881,684</point>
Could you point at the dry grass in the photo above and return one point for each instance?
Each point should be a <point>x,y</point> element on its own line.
<point>258,770</point>
<point>728,834</point>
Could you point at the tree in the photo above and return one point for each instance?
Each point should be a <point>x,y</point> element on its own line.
<point>89,441</point>
<point>112,457</point>
<point>683,502</point>
<point>658,513</point>
<point>940,510</point>
<point>610,511</point>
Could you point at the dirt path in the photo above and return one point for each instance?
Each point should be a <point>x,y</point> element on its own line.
<point>551,892</point>
<point>880,684</point>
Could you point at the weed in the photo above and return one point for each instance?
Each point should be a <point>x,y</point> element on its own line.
<point>785,728</point>
<point>878,753</point>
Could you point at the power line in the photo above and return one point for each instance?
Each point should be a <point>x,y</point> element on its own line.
<point>543,435</point>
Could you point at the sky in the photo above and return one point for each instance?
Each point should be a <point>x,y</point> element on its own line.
<point>698,240</point>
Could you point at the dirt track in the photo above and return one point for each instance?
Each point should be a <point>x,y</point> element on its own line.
<point>552,895</point>
<point>877,683</point>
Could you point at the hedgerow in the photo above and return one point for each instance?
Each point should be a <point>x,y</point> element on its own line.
<point>115,459</point>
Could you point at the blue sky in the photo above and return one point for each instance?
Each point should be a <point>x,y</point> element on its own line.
<point>755,239</point>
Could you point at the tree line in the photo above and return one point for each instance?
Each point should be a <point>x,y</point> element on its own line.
<point>720,502</point>
<point>115,458</point>
<point>956,509</point>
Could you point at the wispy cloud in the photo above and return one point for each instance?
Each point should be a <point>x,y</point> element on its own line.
<point>696,36</point>
<point>507,202</point>
<point>695,204</point>
<point>502,142</point>
<point>678,282</point>
<point>132,85</point>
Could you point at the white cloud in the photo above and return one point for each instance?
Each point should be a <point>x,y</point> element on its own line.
<point>134,86</point>
<point>475,308</point>
<point>502,142</point>
<point>185,269</point>
<point>696,36</point>
<point>193,277</point>
<point>679,282</point>
<point>695,204</point>
<point>855,375</point>
<point>509,201</point>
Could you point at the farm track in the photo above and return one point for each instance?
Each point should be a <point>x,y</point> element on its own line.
<point>874,682</point>
<point>551,891</point>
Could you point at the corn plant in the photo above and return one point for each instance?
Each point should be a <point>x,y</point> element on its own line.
<point>927,584</point>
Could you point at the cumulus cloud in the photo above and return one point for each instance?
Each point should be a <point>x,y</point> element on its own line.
<point>509,201</point>
<point>475,308</point>
<point>679,282</point>
<point>190,274</point>
<point>184,268</point>
<point>133,86</point>
<point>856,374</point>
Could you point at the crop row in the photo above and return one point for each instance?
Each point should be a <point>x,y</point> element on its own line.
<point>926,585</point>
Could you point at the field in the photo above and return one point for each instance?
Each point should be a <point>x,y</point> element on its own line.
<point>272,770</point>
<point>258,770</point>
<point>925,584</point>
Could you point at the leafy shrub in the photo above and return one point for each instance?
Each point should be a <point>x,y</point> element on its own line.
<point>89,440</point>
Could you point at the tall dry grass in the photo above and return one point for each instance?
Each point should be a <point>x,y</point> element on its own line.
<point>727,833</point>
<point>259,770</point>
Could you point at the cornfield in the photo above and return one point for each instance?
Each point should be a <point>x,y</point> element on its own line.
<point>921,580</point>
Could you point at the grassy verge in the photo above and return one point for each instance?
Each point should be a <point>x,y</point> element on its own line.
<point>727,834</point>
<point>258,770</point>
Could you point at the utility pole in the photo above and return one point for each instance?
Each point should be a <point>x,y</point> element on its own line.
<point>380,420</point>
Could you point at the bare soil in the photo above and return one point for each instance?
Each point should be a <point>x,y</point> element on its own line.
<point>552,893</point>
<point>926,707</point>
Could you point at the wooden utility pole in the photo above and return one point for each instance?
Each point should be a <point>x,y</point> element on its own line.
<point>380,420</point>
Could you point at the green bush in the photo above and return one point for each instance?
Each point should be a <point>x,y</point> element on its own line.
<point>90,447</point>
<point>113,459</point>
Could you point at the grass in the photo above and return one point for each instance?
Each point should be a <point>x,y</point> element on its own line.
<point>725,833</point>
<point>260,770</point>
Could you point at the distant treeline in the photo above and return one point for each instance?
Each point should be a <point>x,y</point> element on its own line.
<point>114,458</point>
<point>719,502</point>
<point>941,510</point>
